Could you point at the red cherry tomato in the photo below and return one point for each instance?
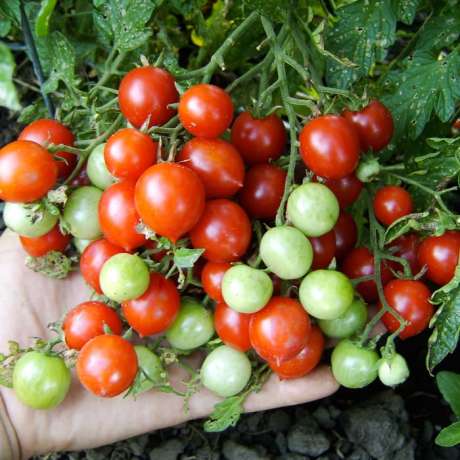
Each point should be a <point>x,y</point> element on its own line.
<point>406,247</point>
<point>391,203</point>
<point>305,361</point>
<point>224,231</point>
<point>107,365</point>
<point>156,309</point>
<point>323,250</point>
<point>217,163</point>
<point>259,140</point>
<point>211,279</point>
<point>118,216</point>
<point>374,125</point>
<point>205,110</point>
<point>27,172</point>
<point>280,330</point>
<point>329,146</point>
<point>93,258</point>
<point>46,132</point>
<point>232,327</point>
<point>263,190</point>
<point>86,321</point>
<point>54,240</point>
<point>346,235</point>
<point>170,199</point>
<point>81,179</point>
<point>411,299</point>
<point>145,93</point>
<point>346,189</point>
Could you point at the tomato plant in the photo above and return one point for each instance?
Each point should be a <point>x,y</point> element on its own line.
<point>97,170</point>
<point>17,218</point>
<point>211,279</point>
<point>54,240</point>
<point>232,327</point>
<point>347,189</point>
<point>391,203</point>
<point>324,248</point>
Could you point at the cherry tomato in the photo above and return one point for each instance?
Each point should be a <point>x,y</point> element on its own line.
<point>96,169</point>
<point>205,110</point>
<point>305,361</point>
<point>107,365</point>
<point>54,240</point>
<point>46,132</point>
<point>156,309</point>
<point>224,231</point>
<point>346,189</point>
<point>280,330</point>
<point>217,163</point>
<point>211,279</point>
<point>27,172</point>
<point>373,124</point>
<point>17,218</point>
<point>118,216</point>
<point>406,247</point>
<point>329,146</point>
<point>145,93</point>
<point>170,199</point>
<point>82,178</point>
<point>346,235</point>
<point>391,203</point>
<point>86,321</point>
<point>263,190</point>
<point>259,140</point>
<point>393,371</point>
<point>411,299</point>
<point>360,262</point>
<point>323,250</point>
<point>232,327</point>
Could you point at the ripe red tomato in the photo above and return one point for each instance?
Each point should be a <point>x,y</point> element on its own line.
<point>232,327</point>
<point>217,163</point>
<point>323,250</point>
<point>156,309</point>
<point>305,361</point>
<point>360,262</point>
<point>391,203</point>
<point>118,217</point>
<point>93,258</point>
<point>107,365</point>
<point>27,172</point>
<point>406,247</point>
<point>346,235</point>
<point>224,231</point>
<point>374,125</point>
<point>170,199</point>
<point>46,132</point>
<point>128,153</point>
<point>329,146</point>
<point>211,279</point>
<point>145,93</point>
<point>280,330</point>
<point>411,299</point>
<point>205,110</point>
<point>86,321</point>
<point>263,190</point>
<point>440,255</point>
<point>259,140</point>
<point>54,240</point>
<point>346,189</point>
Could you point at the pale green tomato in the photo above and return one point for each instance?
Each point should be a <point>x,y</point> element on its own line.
<point>124,277</point>
<point>16,218</point>
<point>246,289</point>
<point>81,244</point>
<point>326,294</point>
<point>286,252</point>
<point>96,169</point>
<point>150,369</point>
<point>226,371</point>
<point>393,371</point>
<point>313,208</point>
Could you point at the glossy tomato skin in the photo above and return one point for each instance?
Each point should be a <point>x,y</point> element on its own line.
<point>224,231</point>
<point>232,327</point>
<point>205,110</point>
<point>118,216</point>
<point>86,321</point>
<point>46,131</point>
<point>347,189</point>
<point>107,365</point>
<point>170,199</point>
<point>211,279</point>
<point>217,163</point>
<point>329,146</point>
<point>411,299</point>
<point>346,235</point>
<point>145,93</point>
<point>280,330</point>
<point>391,203</point>
<point>374,125</point>
<point>323,250</point>
<point>305,361</point>
<point>406,247</point>
<point>156,309</point>
<point>259,140</point>
<point>54,240</point>
<point>263,190</point>
<point>27,172</point>
<point>93,258</point>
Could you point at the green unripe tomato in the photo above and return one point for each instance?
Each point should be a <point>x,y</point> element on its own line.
<point>286,252</point>
<point>16,218</point>
<point>150,368</point>
<point>81,244</point>
<point>393,371</point>
<point>97,170</point>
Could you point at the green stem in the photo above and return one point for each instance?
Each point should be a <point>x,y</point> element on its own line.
<point>110,69</point>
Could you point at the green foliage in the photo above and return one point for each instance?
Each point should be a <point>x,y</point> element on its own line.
<point>449,386</point>
<point>8,94</point>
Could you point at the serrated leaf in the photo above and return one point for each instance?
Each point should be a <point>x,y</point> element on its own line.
<point>33,112</point>
<point>449,436</point>
<point>449,386</point>
<point>8,94</point>
<point>225,414</point>
<point>440,31</point>
<point>405,10</point>
<point>186,257</point>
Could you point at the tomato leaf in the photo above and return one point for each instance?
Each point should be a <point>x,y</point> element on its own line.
<point>449,386</point>
<point>42,22</point>
<point>225,414</point>
<point>9,9</point>
<point>186,257</point>
<point>405,10</point>
<point>8,94</point>
<point>449,436</point>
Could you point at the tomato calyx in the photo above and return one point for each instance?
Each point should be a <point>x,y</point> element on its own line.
<point>54,264</point>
